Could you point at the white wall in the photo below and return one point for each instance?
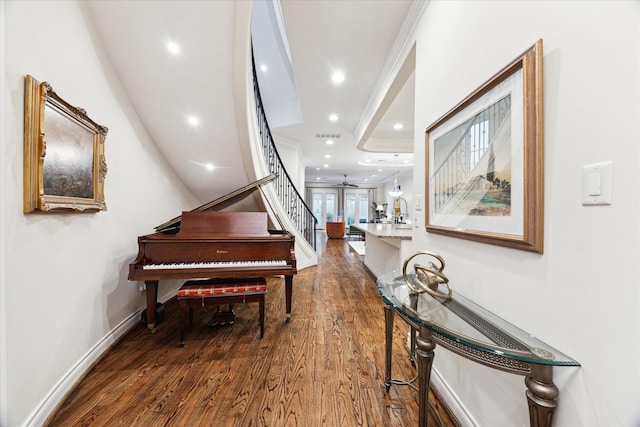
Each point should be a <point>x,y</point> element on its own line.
<point>291,155</point>
<point>582,295</point>
<point>63,282</point>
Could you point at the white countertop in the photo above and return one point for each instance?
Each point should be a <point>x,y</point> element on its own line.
<point>389,231</point>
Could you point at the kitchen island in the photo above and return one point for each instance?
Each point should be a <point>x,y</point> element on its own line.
<point>387,246</point>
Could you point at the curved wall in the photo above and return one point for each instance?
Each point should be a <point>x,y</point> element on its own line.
<point>64,291</point>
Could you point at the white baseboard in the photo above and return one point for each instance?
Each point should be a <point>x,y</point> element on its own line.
<point>451,400</point>
<point>51,401</point>
<point>376,273</point>
<point>447,395</point>
<point>309,262</point>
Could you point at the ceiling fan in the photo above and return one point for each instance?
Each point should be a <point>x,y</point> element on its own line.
<point>346,184</point>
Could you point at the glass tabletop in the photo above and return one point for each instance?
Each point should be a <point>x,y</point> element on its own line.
<point>465,322</point>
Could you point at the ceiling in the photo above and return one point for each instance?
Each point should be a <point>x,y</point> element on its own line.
<point>165,90</point>
<point>356,38</point>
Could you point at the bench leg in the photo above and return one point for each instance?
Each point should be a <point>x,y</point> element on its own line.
<point>187,319</point>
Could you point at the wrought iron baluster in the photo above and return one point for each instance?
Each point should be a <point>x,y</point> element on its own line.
<point>289,196</point>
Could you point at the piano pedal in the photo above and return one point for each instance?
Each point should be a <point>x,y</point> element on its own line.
<point>223,317</point>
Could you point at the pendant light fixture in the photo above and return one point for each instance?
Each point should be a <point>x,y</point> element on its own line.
<point>396,192</point>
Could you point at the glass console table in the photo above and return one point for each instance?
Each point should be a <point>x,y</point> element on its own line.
<point>469,330</point>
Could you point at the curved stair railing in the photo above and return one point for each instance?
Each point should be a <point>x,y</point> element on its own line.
<point>290,198</point>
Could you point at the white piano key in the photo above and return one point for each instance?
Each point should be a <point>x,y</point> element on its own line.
<point>214,264</point>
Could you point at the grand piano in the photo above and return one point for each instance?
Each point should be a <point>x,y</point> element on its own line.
<point>206,243</point>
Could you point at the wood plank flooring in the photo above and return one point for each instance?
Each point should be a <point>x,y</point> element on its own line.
<point>323,368</point>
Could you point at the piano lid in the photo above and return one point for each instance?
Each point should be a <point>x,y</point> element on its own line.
<point>220,203</point>
<point>226,224</point>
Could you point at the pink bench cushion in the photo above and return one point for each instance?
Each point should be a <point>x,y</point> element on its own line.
<point>223,287</point>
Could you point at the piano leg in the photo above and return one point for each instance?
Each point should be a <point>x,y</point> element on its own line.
<point>152,297</point>
<point>288,283</point>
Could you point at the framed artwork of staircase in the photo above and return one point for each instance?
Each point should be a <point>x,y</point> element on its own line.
<point>485,163</point>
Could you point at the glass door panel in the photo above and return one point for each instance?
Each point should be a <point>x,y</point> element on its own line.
<point>350,204</point>
<point>356,206</point>
<point>330,211</point>
<point>324,206</point>
<point>363,207</point>
<point>318,208</point>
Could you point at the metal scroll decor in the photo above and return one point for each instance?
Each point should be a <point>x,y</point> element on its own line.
<point>428,278</point>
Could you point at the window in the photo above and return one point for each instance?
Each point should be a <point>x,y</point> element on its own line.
<point>478,142</point>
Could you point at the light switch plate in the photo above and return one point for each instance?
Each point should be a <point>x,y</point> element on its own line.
<point>417,202</point>
<point>596,184</point>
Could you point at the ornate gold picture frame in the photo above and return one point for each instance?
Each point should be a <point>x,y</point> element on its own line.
<point>484,161</point>
<point>64,163</point>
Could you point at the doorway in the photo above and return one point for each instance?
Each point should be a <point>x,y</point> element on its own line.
<point>324,206</point>
<point>356,203</point>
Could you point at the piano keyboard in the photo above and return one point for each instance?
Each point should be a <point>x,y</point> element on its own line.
<point>215,264</point>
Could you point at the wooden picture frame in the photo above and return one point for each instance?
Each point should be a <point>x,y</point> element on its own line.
<point>64,163</point>
<point>485,161</point>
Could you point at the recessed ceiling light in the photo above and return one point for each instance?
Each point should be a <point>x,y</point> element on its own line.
<point>329,142</point>
<point>398,126</point>
<point>338,77</point>
<point>264,68</point>
<point>333,117</point>
<point>318,179</point>
<point>209,166</point>
<point>327,156</point>
<point>368,160</point>
<point>326,166</point>
<point>193,121</point>
<point>173,47</point>
<point>317,169</point>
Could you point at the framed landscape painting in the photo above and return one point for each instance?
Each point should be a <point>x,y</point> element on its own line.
<point>484,161</point>
<point>64,163</point>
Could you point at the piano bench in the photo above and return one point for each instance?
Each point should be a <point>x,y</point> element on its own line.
<point>204,293</point>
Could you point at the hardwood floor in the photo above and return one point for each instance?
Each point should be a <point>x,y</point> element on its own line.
<point>324,367</point>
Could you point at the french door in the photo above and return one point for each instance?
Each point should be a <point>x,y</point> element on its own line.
<point>325,205</point>
<point>356,205</point>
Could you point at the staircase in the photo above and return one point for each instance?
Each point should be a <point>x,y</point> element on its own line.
<point>293,203</point>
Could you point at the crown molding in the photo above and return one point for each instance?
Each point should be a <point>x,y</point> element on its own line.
<point>397,69</point>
